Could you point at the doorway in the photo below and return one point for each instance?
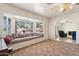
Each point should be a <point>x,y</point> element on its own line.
<point>65,30</point>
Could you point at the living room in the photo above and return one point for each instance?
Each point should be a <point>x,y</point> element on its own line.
<point>26,28</point>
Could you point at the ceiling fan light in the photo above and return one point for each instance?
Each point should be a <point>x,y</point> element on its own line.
<point>61,9</point>
<point>71,6</point>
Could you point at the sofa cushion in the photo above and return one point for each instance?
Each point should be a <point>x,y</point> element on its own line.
<point>8,38</point>
<point>13,35</point>
<point>36,34</point>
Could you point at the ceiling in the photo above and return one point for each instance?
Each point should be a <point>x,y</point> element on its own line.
<point>45,9</point>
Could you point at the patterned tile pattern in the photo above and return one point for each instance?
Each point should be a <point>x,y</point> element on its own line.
<point>49,48</point>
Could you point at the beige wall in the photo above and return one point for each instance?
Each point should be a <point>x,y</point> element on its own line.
<point>5,8</point>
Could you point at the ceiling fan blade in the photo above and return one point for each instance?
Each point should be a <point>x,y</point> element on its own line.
<point>49,3</point>
<point>77,3</point>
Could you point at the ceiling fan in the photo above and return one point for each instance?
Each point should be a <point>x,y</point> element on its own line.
<point>65,6</point>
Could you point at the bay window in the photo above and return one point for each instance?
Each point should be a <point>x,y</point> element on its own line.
<point>17,24</point>
<point>24,25</point>
<point>7,25</point>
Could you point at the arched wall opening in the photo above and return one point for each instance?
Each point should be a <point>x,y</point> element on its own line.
<point>66,26</point>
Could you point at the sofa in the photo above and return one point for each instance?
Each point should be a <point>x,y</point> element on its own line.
<point>15,39</point>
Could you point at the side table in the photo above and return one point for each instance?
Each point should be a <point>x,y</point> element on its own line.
<point>5,52</point>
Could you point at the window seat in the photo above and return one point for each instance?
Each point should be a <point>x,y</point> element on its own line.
<point>23,41</point>
<point>18,40</point>
<point>17,44</point>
